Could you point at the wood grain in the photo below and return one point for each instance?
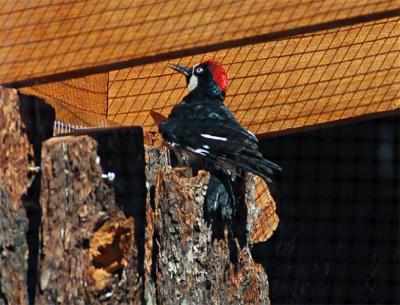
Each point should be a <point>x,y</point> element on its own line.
<point>79,101</point>
<point>279,85</point>
<point>42,38</point>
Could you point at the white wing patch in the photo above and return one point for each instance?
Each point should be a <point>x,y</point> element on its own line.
<point>252,134</point>
<point>208,136</point>
<point>199,151</point>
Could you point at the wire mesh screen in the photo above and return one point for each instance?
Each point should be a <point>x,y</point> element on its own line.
<point>81,101</point>
<point>62,128</point>
<point>337,197</point>
<point>277,85</point>
<point>290,65</point>
<point>42,38</point>
<point>338,203</point>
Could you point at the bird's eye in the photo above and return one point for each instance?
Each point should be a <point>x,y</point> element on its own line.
<point>199,70</point>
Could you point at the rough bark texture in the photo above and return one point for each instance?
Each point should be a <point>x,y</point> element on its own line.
<point>191,264</point>
<point>15,156</point>
<point>155,158</point>
<point>104,242</point>
<point>89,254</point>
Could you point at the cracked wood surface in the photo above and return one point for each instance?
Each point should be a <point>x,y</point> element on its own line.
<point>89,254</point>
<point>15,160</point>
<point>88,246</point>
<point>190,265</point>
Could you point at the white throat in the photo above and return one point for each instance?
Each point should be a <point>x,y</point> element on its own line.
<point>193,82</point>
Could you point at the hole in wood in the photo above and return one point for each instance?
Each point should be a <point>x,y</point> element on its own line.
<point>108,252</point>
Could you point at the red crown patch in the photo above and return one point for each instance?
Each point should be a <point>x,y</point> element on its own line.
<point>219,73</point>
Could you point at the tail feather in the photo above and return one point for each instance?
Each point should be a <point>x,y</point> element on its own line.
<point>261,167</point>
<point>225,201</point>
<point>254,164</point>
<point>220,199</point>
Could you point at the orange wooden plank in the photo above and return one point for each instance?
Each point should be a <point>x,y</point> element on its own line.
<point>42,38</point>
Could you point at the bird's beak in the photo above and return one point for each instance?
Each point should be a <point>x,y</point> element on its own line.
<point>182,69</point>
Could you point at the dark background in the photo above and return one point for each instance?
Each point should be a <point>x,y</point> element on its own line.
<point>338,203</point>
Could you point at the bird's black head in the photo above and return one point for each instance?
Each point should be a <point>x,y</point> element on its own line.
<point>207,78</point>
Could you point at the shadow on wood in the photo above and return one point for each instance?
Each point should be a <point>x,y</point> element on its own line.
<point>38,118</point>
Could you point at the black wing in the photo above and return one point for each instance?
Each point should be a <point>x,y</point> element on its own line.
<point>208,129</point>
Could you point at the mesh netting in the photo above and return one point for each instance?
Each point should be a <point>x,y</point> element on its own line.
<point>291,64</point>
<point>43,38</point>
<point>277,85</point>
<point>338,203</point>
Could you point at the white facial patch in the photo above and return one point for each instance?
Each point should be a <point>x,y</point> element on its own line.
<point>193,82</point>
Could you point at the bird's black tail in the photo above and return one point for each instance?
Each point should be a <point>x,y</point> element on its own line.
<point>223,194</point>
<point>220,198</point>
<point>225,206</point>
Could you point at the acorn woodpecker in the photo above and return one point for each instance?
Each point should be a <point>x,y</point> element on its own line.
<point>204,134</point>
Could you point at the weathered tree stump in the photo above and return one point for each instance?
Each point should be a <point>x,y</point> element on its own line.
<point>140,239</point>
<point>15,161</point>
<point>188,264</point>
<point>89,255</point>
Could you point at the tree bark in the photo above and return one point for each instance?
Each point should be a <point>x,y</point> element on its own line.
<point>89,255</point>
<point>140,239</point>
<point>15,161</point>
<point>190,263</point>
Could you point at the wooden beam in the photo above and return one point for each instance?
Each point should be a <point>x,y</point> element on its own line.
<point>73,37</point>
<point>280,85</point>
